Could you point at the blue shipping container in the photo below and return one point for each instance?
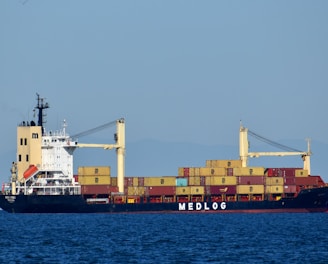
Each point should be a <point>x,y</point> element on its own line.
<point>182,182</point>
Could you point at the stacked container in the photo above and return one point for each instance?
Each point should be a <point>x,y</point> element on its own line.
<point>95,180</point>
<point>219,180</point>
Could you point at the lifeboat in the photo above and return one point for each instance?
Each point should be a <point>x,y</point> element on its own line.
<point>30,171</point>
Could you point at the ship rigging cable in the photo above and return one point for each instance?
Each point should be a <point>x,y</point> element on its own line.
<point>272,143</point>
<point>93,130</point>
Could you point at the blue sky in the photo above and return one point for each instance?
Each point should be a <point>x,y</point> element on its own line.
<point>179,72</point>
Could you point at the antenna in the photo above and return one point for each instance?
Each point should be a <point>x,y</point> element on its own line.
<point>41,106</point>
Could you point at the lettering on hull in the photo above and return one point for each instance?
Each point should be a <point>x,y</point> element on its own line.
<point>202,206</point>
<point>10,198</point>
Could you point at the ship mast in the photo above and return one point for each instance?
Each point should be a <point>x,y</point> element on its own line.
<point>41,106</point>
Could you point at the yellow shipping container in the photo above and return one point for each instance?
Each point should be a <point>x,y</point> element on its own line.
<point>194,180</point>
<point>182,190</point>
<point>274,181</point>
<point>220,180</point>
<point>248,171</point>
<point>90,171</point>
<point>250,189</point>
<point>274,189</point>
<point>136,190</point>
<point>194,171</point>
<point>94,180</point>
<point>160,181</point>
<point>301,173</point>
<point>113,181</point>
<point>135,181</point>
<point>197,190</point>
<point>223,163</point>
<point>212,171</point>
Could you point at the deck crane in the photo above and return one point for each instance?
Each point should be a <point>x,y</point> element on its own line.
<point>244,147</point>
<point>119,145</point>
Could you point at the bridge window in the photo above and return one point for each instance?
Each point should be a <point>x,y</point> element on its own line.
<point>19,157</point>
<point>35,135</point>
<point>26,158</point>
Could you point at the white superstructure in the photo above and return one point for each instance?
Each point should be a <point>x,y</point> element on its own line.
<point>44,163</point>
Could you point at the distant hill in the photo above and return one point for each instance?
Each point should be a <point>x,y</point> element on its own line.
<point>158,158</point>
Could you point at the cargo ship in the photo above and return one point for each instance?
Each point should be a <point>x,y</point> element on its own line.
<point>42,180</point>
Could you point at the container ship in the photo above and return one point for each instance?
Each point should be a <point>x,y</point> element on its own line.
<point>42,180</point>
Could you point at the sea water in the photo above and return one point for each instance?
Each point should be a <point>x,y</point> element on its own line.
<point>164,238</point>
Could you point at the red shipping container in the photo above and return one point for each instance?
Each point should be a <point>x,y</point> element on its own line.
<point>229,171</point>
<point>223,189</point>
<point>281,172</point>
<point>160,190</point>
<point>185,171</point>
<point>320,181</point>
<point>98,189</point>
<point>312,180</point>
<point>76,178</point>
<point>289,181</point>
<point>202,180</point>
<point>128,181</point>
<point>251,180</point>
<point>290,189</point>
<point>141,181</point>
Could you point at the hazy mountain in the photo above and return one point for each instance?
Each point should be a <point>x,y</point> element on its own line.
<point>158,158</point>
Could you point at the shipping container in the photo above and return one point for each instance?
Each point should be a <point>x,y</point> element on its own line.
<point>212,171</point>
<point>229,171</point>
<point>182,190</point>
<point>160,181</point>
<point>248,171</point>
<point>132,190</point>
<point>185,171</point>
<point>128,181</point>
<point>113,181</point>
<point>98,189</point>
<point>141,181</point>
<point>289,181</point>
<point>92,170</point>
<point>181,181</point>
<point>76,178</point>
<point>301,173</point>
<point>94,180</point>
<point>289,188</point>
<point>197,190</point>
<point>220,180</point>
<point>194,171</point>
<point>221,189</point>
<point>223,163</point>
<point>248,189</point>
<point>281,172</point>
<point>274,189</point>
<point>274,181</point>
<point>202,180</point>
<point>193,180</point>
<point>307,181</point>
<point>250,180</point>
<point>160,190</point>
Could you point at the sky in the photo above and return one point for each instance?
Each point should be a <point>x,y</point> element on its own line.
<point>181,73</point>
